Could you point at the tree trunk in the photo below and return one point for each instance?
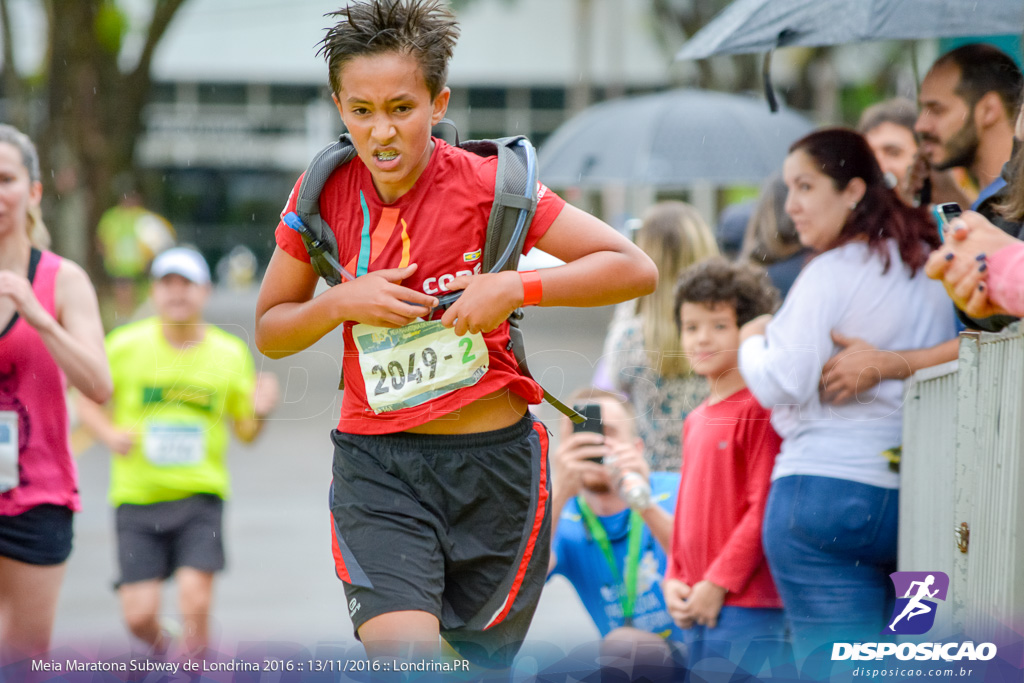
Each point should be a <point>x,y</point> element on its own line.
<point>93,119</point>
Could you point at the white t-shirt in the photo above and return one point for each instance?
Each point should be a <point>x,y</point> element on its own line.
<point>844,290</point>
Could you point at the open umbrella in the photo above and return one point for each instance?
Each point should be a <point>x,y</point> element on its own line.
<point>670,139</point>
<point>762,25</point>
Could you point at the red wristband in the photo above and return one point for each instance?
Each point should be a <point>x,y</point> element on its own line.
<point>532,288</point>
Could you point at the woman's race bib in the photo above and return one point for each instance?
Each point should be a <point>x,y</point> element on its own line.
<point>169,445</point>
<point>408,366</point>
<point>8,450</point>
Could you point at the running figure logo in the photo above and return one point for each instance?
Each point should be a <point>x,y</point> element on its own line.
<point>914,613</point>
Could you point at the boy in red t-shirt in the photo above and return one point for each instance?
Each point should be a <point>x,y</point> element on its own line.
<point>440,493</point>
<point>717,586</point>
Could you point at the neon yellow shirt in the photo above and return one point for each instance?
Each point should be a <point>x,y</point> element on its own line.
<point>177,402</point>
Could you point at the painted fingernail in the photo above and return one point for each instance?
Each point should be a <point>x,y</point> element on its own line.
<point>981,287</point>
<point>979,257</point>
<point>949,256</point>
<point>982,268</point>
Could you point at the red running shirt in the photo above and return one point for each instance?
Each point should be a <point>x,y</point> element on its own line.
<point>441,225</point>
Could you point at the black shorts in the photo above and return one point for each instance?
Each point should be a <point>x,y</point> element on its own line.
<point>154,540</point>
<point>458,526</point>
<point>41,535</point>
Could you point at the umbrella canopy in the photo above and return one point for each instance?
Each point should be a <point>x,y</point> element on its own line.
<point>670,139</point>
<point>762,25</point>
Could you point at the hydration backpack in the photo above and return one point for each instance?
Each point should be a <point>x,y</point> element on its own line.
<point>515,202</point>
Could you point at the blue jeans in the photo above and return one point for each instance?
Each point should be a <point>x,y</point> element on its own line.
<point>747,636</point>
<point>831,545</point>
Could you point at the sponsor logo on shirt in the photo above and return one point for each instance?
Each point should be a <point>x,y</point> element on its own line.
<point>435,285</point>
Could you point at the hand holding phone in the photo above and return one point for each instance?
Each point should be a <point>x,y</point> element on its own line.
<point>591,413</point>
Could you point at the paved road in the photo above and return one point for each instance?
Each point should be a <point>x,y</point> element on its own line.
<point>280,584</point>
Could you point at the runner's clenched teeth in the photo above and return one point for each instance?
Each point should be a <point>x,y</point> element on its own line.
<point>386,155</point>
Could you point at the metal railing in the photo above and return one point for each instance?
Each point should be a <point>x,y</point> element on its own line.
<point>962,481</point>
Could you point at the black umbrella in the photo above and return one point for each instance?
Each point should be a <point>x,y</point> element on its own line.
<point>763,25</point>
<point>670,139</point>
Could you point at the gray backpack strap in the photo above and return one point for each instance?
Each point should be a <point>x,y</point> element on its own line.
<point>317,236</point>
<point>320,242</point>
<point>516,163</point>
<point>516,346</point>
<point>515,202</point>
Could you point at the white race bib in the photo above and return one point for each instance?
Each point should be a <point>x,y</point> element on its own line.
<point>167,445</point>
<point>408,366</point>
<point>8,450</point>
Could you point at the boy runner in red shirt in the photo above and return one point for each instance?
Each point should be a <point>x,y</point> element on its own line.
<point>440,493</point>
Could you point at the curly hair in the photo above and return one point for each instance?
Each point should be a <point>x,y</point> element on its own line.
<point>744,286</point>
<point>425,29</point>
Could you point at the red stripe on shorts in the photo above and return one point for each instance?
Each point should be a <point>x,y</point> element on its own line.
<point>538,521</point>
<point>339,562</point>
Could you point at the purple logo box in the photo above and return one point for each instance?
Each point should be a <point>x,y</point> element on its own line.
<point>916,593</point>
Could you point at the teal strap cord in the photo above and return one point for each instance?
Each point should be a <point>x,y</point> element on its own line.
<point>363,265</point>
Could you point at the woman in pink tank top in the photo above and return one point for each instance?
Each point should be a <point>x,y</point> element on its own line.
<point>50,336</point>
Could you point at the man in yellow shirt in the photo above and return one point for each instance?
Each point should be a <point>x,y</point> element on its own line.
<point>178,381</point>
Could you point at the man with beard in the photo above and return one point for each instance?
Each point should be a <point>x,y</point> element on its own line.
<point>969,101</point>
<point>613,556</point>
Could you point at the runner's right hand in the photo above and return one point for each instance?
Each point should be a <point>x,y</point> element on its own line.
<point>378,299</point>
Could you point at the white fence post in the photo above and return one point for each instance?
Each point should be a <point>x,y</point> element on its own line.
<point>927,475</point>
<point>962,482</point>
<point>995,560</point>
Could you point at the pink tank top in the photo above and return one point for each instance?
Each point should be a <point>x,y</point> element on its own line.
<point>32,386</point>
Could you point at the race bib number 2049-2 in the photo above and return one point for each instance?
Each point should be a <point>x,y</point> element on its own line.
<point>410,365</point>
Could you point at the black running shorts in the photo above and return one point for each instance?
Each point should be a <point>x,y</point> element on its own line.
<point>40,535</point>
<point>458,526</point>
<point>154,540</point>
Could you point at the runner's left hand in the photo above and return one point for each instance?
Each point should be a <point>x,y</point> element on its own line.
<point>487,300</point>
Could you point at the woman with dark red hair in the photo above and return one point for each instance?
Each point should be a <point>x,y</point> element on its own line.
<point>830,522</point>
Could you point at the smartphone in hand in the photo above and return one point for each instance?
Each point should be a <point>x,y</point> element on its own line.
<point>944,214</point>
<point>591,413</point>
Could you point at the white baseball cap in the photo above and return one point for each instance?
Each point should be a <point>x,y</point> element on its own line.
<point>182,261</point>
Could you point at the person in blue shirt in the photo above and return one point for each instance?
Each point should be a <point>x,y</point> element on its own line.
<point>614,556</point>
